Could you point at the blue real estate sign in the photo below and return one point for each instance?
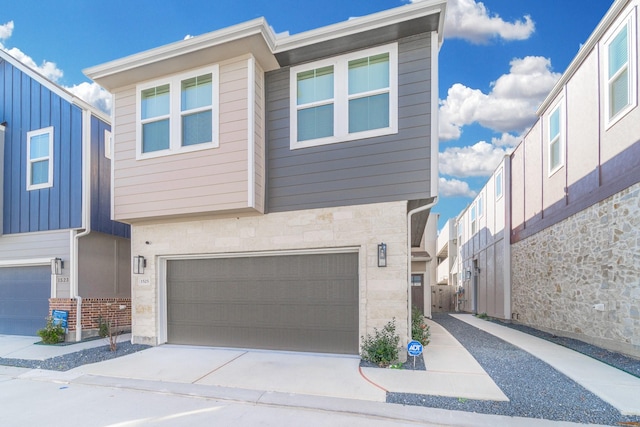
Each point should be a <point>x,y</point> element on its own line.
<point>414,348</point>
<point>60,317</point>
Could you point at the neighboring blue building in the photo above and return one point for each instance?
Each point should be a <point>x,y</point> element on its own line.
<point>55,203</point>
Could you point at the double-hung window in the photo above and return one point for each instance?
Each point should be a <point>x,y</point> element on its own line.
<point>498,183</point>
<point>620,93</point>
<point>555,138</point>
<point>178,114</point>
<point>473,219</point>
<point>348,97</point>
<point>40,158</point>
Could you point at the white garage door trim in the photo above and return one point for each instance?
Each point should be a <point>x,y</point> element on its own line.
<point>162,273</point>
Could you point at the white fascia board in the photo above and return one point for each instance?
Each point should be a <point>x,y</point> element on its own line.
<point>194,44</point>
<point>365,23</point>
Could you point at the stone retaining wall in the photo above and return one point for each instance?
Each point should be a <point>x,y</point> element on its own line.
<point>591,258</point>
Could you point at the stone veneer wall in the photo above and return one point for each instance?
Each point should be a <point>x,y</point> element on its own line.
<point>117,310</point>
<point>590,258</point>
<point>383,291</point>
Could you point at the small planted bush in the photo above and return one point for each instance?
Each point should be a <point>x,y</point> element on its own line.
<point>382,347</point>
<point>51,333</point>
<point>419,329</point>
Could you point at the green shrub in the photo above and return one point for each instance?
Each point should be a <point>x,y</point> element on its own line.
<point>483,316</point>
<point>103,327</point>
<point>419,330</point>
<point>51,333</point>
<point>382,347</point>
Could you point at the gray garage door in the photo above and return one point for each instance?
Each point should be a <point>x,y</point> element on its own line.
<point>292,302</point>
<point>24,299</point>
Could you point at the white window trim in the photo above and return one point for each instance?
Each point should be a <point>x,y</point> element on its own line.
<point>630,21</point>
<point>561,136</point>
<point>107,144</point>
<point>31,134</point>
<point>501,187</point>
<point>341,98</point>
<point>480,205</point>
<point>175,122</point>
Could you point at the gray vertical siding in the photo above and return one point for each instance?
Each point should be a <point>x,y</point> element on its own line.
<point>382,169</point>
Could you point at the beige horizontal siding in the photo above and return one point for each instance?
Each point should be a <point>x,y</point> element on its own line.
<point>185,183</point>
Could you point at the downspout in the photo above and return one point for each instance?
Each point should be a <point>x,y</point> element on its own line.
<point>86,217</point>
<point>410,214</point>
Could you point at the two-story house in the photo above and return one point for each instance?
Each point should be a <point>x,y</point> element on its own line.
<point>569,197</point>
<point>275,184</point>
<point>59,247</point>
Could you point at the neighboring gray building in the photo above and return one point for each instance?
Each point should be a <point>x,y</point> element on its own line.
<point>277,206</point>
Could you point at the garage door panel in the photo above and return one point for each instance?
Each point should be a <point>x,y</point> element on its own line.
<point>24,299</point>
<point>293,302</point>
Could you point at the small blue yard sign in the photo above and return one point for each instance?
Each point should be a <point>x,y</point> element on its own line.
<point>60,317</point>
<point>414,348</point>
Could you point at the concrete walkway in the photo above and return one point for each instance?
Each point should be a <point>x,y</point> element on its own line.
<point>616,387</point>
<point>451,371</point>
<point>27,347</point>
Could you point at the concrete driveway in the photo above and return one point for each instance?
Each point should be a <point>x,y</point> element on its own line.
<point>451,371</point>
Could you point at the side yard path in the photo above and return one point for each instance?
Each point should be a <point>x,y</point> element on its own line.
<point>534,388</point>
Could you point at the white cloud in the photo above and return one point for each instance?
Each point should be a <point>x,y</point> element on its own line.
<point>507,140</point>
<point>48,69</point>
<point>472,21</point>
<point>509,107</point>
<point>6,30</point>
<point>93,94</point>
<point>479,159</point>
<point>455,188</point>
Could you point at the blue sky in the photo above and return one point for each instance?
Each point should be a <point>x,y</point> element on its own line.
<point>499,60</point>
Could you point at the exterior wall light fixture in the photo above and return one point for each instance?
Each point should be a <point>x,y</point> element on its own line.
<point>139,263</point>
<point>56,266</point>
<point>382,255</point>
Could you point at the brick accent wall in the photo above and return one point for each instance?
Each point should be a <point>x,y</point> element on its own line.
<point>118,310</point>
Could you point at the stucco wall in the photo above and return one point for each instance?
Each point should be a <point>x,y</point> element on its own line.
<point>590,258</point>
<point>383,291</point>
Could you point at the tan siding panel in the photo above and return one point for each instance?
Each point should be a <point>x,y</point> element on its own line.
<point>184,183</point>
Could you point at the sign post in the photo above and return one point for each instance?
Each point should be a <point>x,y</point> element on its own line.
<point>414,348</point>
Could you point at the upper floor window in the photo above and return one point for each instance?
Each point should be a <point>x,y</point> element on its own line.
<point>40,158</point>
<point>347,97</point>
<point>480,205</point>
<point>473,220</point>
<point>178,114</point>
<point>556,140</point>
<point>499,184</point>
<point>620,94</point>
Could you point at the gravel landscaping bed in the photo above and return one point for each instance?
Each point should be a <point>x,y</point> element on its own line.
<point>79,358</point>
<point>534,388</point>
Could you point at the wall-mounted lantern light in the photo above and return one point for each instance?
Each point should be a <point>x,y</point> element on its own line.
<point>139,263</point>
<point>476,271</point>
<point>56,266</point>
<point>382,255</point>
<point>467,274</point>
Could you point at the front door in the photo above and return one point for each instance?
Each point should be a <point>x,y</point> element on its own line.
<point>417,291</point>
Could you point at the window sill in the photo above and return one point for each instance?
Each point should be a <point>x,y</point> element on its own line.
<point>170,152</point>
<point>350,137</point>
